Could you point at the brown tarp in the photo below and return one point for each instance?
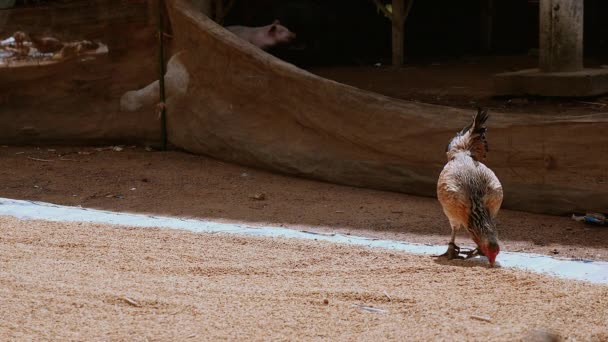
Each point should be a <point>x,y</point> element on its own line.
<point>241,104</point>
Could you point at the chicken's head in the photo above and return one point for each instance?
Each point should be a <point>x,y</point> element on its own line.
<point>490,249</point>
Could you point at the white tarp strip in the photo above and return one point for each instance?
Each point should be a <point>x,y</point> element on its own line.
<point>587,270</point>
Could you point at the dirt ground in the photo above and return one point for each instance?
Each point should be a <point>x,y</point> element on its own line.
<point>186,185</point>
<point>465,83</point>
<point>76,281</point>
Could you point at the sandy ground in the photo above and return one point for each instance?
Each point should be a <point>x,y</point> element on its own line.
<point>181,184</point>
<point>76,281</point>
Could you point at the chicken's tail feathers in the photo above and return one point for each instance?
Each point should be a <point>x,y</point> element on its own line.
<point>472,137</point>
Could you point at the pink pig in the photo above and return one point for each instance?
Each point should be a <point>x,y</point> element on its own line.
<point>264,37</point>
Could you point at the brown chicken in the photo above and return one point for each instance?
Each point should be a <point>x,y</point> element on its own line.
<point>469,192</point>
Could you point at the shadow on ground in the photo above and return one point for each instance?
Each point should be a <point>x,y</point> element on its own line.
<point>181,184</point>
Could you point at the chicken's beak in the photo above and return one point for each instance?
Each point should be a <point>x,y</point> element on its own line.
<point>492,260</point>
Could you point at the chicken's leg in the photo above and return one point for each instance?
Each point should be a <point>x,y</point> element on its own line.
<point>453,251</point>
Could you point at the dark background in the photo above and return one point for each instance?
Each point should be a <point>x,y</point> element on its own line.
<point>346,32</point>
<point>353,31</point>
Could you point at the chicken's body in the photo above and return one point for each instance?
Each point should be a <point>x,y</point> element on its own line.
<point>469,192</point>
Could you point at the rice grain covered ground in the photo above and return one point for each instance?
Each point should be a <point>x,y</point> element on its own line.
<point>81,281</point>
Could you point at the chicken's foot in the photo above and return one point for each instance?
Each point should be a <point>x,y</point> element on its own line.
<point>472,253</point>
<point>453,252</point>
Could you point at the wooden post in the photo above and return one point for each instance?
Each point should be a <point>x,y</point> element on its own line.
<point>561,35</point>
<point>398,21</point>
<point>398,18</point>
<point>487,25</point>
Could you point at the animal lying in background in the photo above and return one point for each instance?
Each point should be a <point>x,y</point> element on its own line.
<point>176,83</point>
<point>22,46</point>
<point>469,192</point>
<point>264,37</point>
<point>176,77</point>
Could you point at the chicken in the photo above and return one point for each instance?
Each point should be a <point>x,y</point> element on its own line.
<point>469,192</point>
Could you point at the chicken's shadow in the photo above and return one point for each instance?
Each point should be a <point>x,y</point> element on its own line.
<point>473,262</point>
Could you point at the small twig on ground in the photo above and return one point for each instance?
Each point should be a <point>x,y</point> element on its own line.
<point>387,296</point>
<point>39,159</point>
<point>131,301</point>
<point>482,318</point>
<point>367,308</point>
